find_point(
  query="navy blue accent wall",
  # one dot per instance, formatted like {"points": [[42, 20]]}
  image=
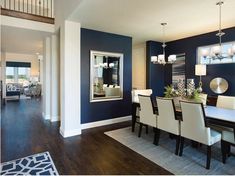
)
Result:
{"points": [[189, 47], [101, 41], [154, 72]]}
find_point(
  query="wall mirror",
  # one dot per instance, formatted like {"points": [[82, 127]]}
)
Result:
{"points": [[178, 69], [106, 76]]}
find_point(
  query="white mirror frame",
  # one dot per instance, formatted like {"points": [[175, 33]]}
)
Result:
{"points": [[92, 54]]}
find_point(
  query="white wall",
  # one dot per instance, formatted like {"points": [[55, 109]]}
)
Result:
{"points": [[3, 73], [33, 59], [139, 66], [27, 24], [63, 10]]}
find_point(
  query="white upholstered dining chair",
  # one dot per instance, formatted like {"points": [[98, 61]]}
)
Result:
{"points": [[203, 98], [227, 140], [194, 127], [135, 105], [227, 102], [135, 93], [147, 114], [167, 120]]}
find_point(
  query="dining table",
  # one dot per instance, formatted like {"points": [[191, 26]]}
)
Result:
{"points": [[214, 115]]}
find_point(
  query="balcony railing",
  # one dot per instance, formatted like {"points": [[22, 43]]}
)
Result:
{"points": [[37, 10]]}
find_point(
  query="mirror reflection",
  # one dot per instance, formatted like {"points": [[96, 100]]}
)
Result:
{"points": [[106, 76]]}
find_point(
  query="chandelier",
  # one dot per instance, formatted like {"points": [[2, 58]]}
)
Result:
{"points": [[160, 59], [216, 52], [105, 64]]}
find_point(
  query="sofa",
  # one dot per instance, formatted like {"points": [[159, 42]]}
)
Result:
{"points": [[13, 89]]}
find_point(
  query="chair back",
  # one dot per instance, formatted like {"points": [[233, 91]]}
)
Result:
{"points": [[166, 116], [227, 102], [147, 115], [135, 93], [193, 125], [203, 98]]}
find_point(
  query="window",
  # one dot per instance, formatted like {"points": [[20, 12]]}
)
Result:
{"points": [[23, 75], [207, 54], [10, 74], [18, 75]]}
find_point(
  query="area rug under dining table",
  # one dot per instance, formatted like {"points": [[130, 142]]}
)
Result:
{"points": [[192, 162]]}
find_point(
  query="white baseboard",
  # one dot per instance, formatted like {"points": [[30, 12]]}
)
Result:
{"points": [[70, 133], [105, 122], [55, 118], [46, 117]]}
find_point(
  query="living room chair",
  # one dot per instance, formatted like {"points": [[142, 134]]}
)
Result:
{"points": [[167, 120], [194, 127], [147, 115]]}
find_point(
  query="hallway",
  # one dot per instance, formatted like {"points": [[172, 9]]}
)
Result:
{"points": [[24, 132]]}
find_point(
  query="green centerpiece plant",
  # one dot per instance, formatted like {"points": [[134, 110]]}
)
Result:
{"points": [[189, 95], [170, 92], [193, 96]]}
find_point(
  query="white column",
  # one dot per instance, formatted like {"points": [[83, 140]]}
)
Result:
{"points": [[40, 58], [47, 79], [3, 74], [70, 79], [54, 79]]}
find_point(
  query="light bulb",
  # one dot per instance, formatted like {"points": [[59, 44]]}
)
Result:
{"points": [[216, 50], [233, 49], [230, 52], [172, 58], [105, 64], [161, 58], [204, 52], [111, 65], [153, 58]]}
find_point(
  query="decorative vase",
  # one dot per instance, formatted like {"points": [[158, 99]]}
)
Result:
{"points": [[190, 86], [181, 87]]}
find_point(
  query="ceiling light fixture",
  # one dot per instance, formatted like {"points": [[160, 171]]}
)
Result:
{"points": [[216, 52], [161, 59]]}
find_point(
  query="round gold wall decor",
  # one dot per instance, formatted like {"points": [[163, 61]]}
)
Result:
{"points": [[219, 85]]}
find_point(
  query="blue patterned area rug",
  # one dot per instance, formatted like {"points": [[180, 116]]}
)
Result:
{"points": [[38, 164]]}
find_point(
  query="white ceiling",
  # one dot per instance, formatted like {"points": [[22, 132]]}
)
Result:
{"points": [[22, 41], [141, 18]]}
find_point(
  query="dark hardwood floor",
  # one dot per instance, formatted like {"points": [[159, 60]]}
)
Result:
{"points": [[24, 132]]}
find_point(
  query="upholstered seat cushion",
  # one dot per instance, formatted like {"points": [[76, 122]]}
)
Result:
{"points": [[228, 136], [215, 137], [220, 128]]}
